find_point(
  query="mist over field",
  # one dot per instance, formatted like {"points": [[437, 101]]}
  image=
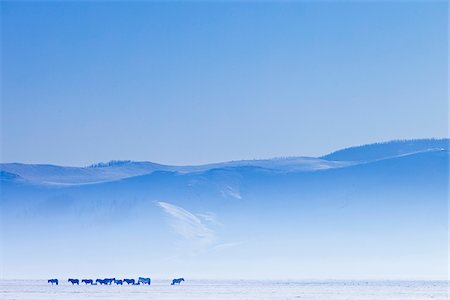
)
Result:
{"points": [[377, 211]]}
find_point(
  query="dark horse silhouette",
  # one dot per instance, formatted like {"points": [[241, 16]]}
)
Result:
{"points": [[74, 281], [118, 281], [144, 280], [177, 281], [129, 281], [102, 281], [87, 281], [110, 280], [53, 281]]}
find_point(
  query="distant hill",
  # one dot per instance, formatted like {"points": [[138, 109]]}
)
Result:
{"points": [[117, 170], [386, 206], [52, 174], [387, 149]]}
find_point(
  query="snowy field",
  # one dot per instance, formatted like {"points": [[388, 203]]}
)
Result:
{"points": [[236, 290]]}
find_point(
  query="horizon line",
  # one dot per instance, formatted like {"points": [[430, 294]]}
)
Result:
{"points": [[91, 165]]}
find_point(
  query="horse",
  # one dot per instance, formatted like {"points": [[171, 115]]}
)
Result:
{"points": [[74, 281], [129, 281], [102, 281], [177, 281], [53, 281], [144, 280], [118, 282], [110, 280], [87, 281]]}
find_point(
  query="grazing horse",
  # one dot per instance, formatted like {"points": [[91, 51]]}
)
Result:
{"points": [[129, 281], [73, 281], [102, 281], [53, 281], [110, 280], [118, 282], [144, 280], [87, 281], [177, 281]]}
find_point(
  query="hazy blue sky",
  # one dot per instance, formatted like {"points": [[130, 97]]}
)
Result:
{"points": [[186, 83]]}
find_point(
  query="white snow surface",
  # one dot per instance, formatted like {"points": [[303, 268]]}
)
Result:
{"points": [[236, 290], [62, 175]]}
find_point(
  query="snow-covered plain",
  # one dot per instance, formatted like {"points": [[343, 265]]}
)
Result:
{"points": [[258, 290]]}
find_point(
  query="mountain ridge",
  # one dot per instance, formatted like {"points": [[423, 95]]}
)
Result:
{"points": [[117, 170], [375, 206], [387, 149]]}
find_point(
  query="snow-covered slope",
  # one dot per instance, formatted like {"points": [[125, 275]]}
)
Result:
{"points": [[295, 213], [116, 170], [51, 174], [388, 149]]}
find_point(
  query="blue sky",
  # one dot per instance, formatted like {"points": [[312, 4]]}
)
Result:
{"points": [[198, 82]]}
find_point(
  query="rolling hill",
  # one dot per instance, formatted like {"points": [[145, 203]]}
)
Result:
{"points": [[381, 205]]}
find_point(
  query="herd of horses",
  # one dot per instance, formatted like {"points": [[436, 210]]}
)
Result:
{"points": [[109, 281]]}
